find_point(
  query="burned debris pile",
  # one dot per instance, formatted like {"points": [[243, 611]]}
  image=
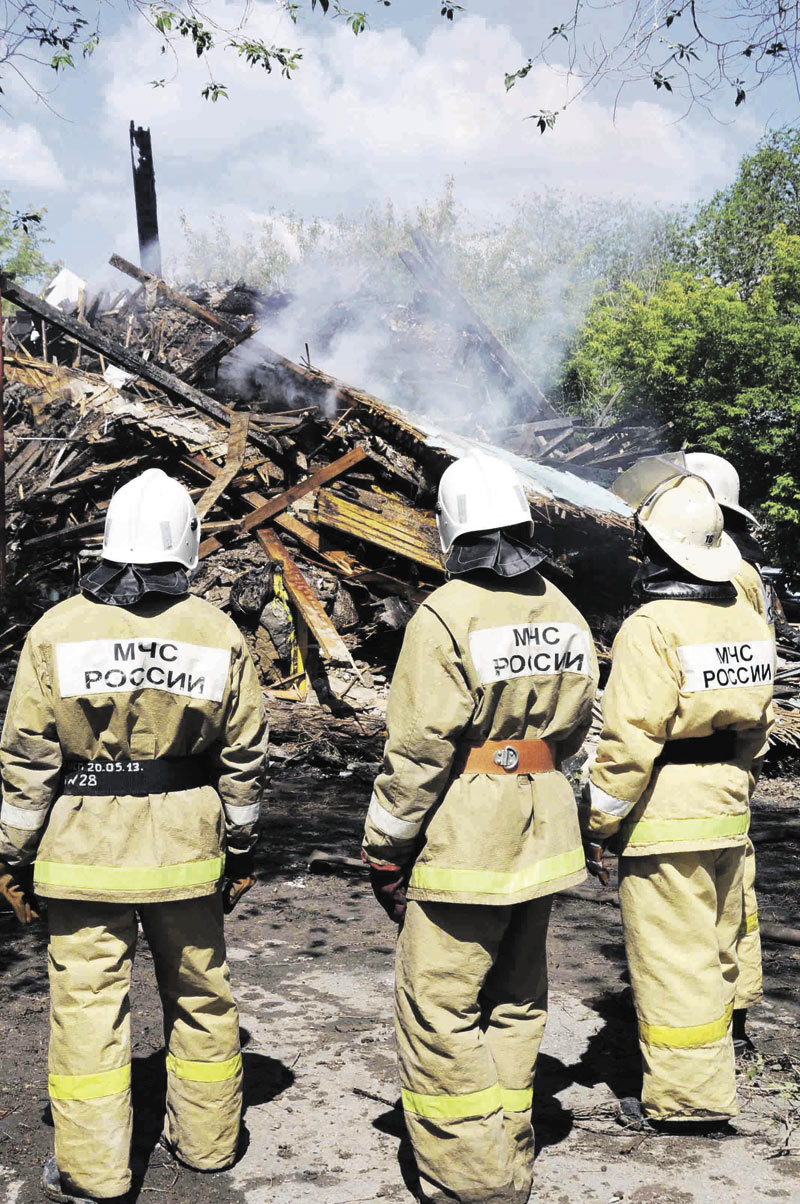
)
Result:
{"points": [[316, 497]]}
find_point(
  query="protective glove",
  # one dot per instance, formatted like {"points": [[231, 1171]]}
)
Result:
{"points": [[16, 894], [593, 851], [238, 879], [389, 883]]}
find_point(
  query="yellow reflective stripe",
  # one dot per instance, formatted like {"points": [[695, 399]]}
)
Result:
{"points": [[653, 831], [127, 877], [498, 882], [517, 1100], [749, 924], [90, 1086], [686, 1038], [204, 1072], [453, 1107]]}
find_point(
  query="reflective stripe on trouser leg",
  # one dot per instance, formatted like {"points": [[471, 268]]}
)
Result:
{"points": [[451, 1094], [89, 961], [514, 1016], [681, 913], [749, 985], [201, 1027]]}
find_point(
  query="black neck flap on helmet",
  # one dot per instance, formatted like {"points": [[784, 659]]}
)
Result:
{"points": [[659, 577], [500, 551], [127, 584]]}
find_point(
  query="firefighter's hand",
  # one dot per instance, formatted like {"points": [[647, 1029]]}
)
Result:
{"points": [[594, 851], [389, 884], [18, 897], [238, 880]]}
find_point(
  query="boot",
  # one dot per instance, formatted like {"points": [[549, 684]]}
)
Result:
{"points": [[56, 1188], [742, 1044]]}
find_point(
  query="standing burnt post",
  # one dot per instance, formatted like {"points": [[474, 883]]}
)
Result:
{"points": [[144, 189]]}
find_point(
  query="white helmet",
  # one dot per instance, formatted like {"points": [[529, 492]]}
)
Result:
{"points": [[479, 492], [686, 522], [721, 478], [152, 520]]}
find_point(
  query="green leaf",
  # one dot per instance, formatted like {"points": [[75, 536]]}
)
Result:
{"points": [[214, 92]]}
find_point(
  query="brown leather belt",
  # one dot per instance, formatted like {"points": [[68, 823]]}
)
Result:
{"points": [[506, 756]]}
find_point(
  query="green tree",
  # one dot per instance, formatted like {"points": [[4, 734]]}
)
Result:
{"points": [[729, 240], [723, 367], [58, 34], [21, 241]]}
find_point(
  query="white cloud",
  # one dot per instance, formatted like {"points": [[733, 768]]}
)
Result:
{"points": [[369, 118], [26, 160]]}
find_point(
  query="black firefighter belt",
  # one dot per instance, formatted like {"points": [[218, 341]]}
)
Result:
{"points": [[138, 778]]}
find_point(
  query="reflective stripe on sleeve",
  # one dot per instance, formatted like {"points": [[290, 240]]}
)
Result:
{"points": [[241, 816], [498, 882], [27, 819], [391, 825], [516, 1100], [687, 1037], [654, 831], [204, 1072], [607, 803], [90, 1086], [453, 1107], [127, 877]]}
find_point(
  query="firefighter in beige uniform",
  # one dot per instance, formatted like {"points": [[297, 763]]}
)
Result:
{"points": [[133, 755], [686, 714], [723, 480], [494, 685]]}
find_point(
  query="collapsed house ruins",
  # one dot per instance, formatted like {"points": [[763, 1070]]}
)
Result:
{"points": [[316, 497]]}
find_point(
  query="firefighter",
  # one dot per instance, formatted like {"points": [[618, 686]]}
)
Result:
{"points": [[723, 480], [686, 714], [472, 820], [133, 761]]}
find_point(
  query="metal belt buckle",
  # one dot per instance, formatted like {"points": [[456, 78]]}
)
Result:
{"points": [[507, 758]]}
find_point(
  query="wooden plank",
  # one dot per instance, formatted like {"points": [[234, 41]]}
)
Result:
{"points": [[172, 385], [394, 526], [330, 642], [177, 298], [553, 444], [237, 448], [275, 505]]}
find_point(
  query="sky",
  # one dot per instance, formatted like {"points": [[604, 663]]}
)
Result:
{"points": [[389, 115]]}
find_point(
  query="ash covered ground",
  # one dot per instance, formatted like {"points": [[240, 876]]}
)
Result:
{"points": [[311, 958]]}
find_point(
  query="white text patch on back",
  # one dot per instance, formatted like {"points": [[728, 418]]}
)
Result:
{"points": [[528, 649], [119, 666], [722, 666]]}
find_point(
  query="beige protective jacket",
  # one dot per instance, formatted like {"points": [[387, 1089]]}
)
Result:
{"points": [[484, 661], [750, 585], [682, 670], [163, 679]]}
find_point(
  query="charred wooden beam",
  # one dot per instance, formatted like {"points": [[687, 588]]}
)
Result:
{"points": [[234, 333]]}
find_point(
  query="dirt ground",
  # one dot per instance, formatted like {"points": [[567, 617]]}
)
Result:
{"points": [[311, 960]]}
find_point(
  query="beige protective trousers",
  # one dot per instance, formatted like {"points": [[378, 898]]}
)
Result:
{"points": [[681, 914], [471, 1005], [749, 985], [90, 957]]}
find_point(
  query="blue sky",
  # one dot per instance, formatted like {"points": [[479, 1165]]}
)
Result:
{"points": [[389, 115]]}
